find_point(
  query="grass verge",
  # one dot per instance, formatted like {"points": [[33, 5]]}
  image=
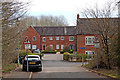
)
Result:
{"points": [[8, 67], [109, 73]]}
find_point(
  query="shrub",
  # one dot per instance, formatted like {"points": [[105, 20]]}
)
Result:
{"points": [[79, 56], [66, 56], [66, 48], [22, 53]]}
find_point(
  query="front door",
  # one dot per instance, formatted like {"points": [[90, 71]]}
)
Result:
{"points": [[43, 47]]}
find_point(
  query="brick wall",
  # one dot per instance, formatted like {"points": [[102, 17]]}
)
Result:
{"points": [[59, 42], [30, 32], [81, 43]]}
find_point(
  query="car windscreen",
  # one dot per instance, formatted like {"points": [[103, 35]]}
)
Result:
{"points": [[33, 58]]}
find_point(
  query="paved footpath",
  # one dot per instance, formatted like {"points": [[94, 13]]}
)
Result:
{"points": [[55, 67]]}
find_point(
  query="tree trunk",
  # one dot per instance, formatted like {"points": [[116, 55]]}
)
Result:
{"points": [[118, 54], [108, 57]]}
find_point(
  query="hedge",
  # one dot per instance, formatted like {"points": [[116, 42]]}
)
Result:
{"points": [[62, 51], [23, 53], [47, 52], [66, 55]]}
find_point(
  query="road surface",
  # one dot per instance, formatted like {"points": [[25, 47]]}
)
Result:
{"points": [[55, 67]]}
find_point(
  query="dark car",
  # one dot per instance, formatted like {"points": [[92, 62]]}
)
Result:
{"points": [[34, 63]]}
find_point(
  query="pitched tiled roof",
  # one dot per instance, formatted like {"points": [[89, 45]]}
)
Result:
{"points": [[55, 30], [87, 25]]}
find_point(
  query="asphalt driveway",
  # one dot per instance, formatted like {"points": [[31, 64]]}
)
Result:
{"points": [[55, 67]]}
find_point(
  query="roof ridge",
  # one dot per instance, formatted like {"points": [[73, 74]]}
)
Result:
{"points": [[54, 26]]}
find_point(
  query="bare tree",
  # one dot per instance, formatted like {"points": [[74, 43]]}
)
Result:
{"points": [[11, 12], [100, 22], [118, 62], [45, 21]]}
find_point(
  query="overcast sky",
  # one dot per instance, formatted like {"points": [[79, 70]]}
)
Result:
{"points": [[68, 8]]}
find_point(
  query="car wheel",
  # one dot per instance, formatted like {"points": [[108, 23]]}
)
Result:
{"points": [[40, 69], [23, 69]]}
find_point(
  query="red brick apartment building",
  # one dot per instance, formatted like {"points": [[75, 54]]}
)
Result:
{"points": [[76, 37]]}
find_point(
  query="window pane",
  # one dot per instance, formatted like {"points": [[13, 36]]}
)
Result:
{"points": [[62, 46], [70, 38], [34, 38], [27, 46], [89, 40], [34, 47], [62, 38], [51, 38], [90, 52], [57, 38], [44, 39], [57, 46]]}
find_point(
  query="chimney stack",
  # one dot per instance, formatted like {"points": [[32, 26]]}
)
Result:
{"points": [[77, 16], [65, 31]]}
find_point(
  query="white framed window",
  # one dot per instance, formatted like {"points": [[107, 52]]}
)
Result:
{"points": [[57, 38], [89, 40], [89, 52], [34, 47], [44, 39], [57, 46], [62, 46], [51, 38], [27, 46], [62, 38], [71, 38], [34, 38]]}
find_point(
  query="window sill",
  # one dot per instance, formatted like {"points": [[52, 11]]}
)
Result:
{"points": [[89, 44], [71, 40]]}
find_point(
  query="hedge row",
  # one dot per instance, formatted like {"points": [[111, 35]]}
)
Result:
{"points": [[67, 56], [63, 51], [52, 52], [23, 53]]}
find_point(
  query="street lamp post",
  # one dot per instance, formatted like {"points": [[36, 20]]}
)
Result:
{"points": [[27, 47], [97, 46], [18, 41], [27, 62]]}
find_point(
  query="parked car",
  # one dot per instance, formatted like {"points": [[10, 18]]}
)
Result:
{"points": [[34, 63]]}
